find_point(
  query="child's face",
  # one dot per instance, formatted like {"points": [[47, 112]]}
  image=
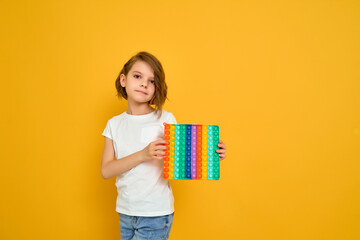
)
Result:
{"points": [[139, 83]]}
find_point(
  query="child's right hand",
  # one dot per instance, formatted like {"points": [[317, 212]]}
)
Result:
{"points": [[155, 150]]}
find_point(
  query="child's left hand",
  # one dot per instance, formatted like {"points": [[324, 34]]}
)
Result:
{"points": [[221, 150]]}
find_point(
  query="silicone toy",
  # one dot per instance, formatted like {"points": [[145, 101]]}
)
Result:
{"points": [[191, 152]]}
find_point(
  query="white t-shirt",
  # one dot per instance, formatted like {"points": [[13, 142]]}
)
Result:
{"points": [[142, 190]]}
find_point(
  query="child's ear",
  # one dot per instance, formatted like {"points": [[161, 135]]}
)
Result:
{"points": [[122, 80]]}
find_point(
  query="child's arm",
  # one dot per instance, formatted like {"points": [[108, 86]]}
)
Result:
{"points": [[111, 167]]}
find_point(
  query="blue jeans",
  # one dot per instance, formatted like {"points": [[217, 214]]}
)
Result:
{"points": [[139, 228]]}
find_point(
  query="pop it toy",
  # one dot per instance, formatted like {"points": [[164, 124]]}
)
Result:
{"points": [[191, 152]]}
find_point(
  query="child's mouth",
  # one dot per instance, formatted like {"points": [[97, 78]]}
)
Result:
{"points": [[141, 92]]}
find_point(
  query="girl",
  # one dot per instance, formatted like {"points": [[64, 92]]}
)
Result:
{"points": [[145, 202]]}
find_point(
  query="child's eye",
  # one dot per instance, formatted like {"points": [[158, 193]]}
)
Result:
{"points": [[152, 81], [136, 75]]}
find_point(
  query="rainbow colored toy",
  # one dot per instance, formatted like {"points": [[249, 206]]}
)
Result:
{"points": [[191, 153]]}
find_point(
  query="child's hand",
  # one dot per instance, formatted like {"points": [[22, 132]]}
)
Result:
{"points": [[221, 150], [155, 150]]}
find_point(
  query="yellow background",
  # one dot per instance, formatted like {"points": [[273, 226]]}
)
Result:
{"points": [[280, 78]]}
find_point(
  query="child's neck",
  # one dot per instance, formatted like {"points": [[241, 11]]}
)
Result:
{"points": [[139, 109]]}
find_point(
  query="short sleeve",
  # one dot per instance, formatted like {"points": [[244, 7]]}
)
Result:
{"points": [[107, 131], [171, 119]]}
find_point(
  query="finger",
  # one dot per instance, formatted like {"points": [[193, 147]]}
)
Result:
{"points": [[220, 150], [160, 147], [159, 153], [160, 142], [221, 145]]}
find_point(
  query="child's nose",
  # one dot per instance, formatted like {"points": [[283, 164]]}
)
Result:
{"points": [[144, 83]]}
